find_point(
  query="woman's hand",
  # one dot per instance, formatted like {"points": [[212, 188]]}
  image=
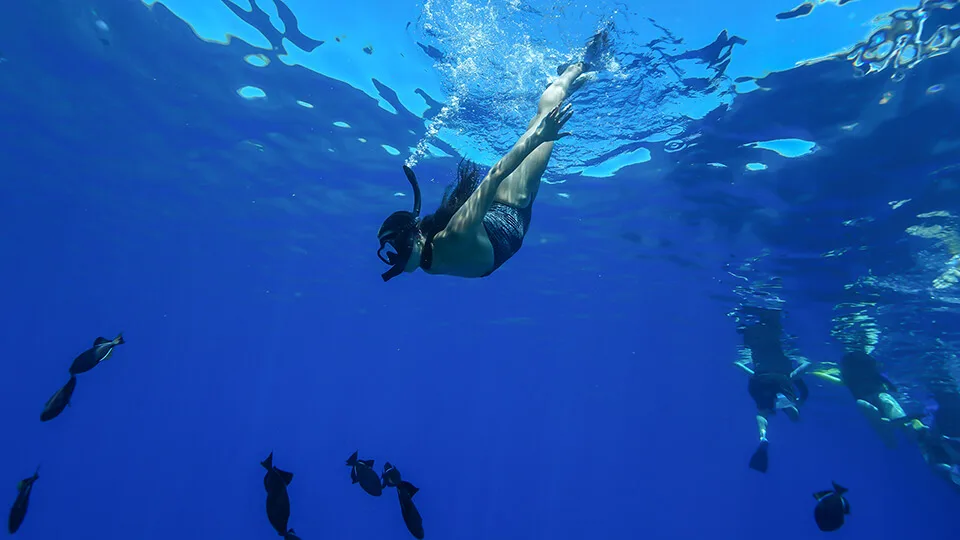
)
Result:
{"points": [[552, 123]]}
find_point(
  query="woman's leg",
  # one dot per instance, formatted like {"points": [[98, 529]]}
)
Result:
{"points": [[520, 188], [760, 460], [762, 423]]}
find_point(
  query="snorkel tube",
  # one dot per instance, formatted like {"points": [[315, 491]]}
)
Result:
{"points": [[399, 230], [417, 199]]}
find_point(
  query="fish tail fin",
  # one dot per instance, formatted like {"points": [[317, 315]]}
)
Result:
{"points": [[287, 477], [409, 488], [839, 489], [119, 339], [352, 460], [268, 463]]}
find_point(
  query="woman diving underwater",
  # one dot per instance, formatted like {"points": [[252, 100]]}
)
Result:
{"points": [[480, 225]]}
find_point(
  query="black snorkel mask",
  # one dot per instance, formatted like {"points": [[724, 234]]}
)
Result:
{"points": [[399, 232]]}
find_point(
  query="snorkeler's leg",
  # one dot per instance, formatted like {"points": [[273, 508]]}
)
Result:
{"points": [[801, 369], [762, 426], [521, 187], [955, 477], [890, 407], [788, 407], [868, 409]]}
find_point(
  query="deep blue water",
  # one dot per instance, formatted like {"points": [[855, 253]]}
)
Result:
{"points": [[585, 390]]}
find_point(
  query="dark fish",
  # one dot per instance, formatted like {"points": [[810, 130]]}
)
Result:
{"points": [[390, 476], [275, 481], [405, 493], [362, 471], [59, 400], [101, 350], [19, 509], [831, 508], [411, 516]]}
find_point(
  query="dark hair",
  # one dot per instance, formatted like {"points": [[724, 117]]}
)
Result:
{"points": [[457, 193]]}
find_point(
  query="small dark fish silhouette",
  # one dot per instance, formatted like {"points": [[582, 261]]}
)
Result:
{"points": [[275, 481], [405, 493], [411, 516], [101, 351], [390, 476], [831, 508], [362, 471], [59, 400], [19, 509]]}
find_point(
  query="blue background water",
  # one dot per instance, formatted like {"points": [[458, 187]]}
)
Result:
{"points": [[585, 390]]}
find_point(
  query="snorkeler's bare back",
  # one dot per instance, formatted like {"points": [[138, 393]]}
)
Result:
{"points": [[468, 254]]}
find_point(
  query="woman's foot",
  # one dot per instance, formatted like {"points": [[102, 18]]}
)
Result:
{"points": [[596, 47]]}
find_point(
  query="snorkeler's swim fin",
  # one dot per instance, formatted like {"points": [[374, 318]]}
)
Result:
{"points": [[828, 374], [760, 459]]}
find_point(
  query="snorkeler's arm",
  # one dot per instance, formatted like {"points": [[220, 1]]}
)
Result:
{"points": [[470, 215], [744, 367], [802, 368]]}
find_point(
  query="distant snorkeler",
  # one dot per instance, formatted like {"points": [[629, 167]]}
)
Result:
{"points": [[860, 373], [481, 223], [774, 381], [940, 443]]}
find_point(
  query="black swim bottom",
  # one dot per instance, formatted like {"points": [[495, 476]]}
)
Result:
{"points": [[506, 226]]}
